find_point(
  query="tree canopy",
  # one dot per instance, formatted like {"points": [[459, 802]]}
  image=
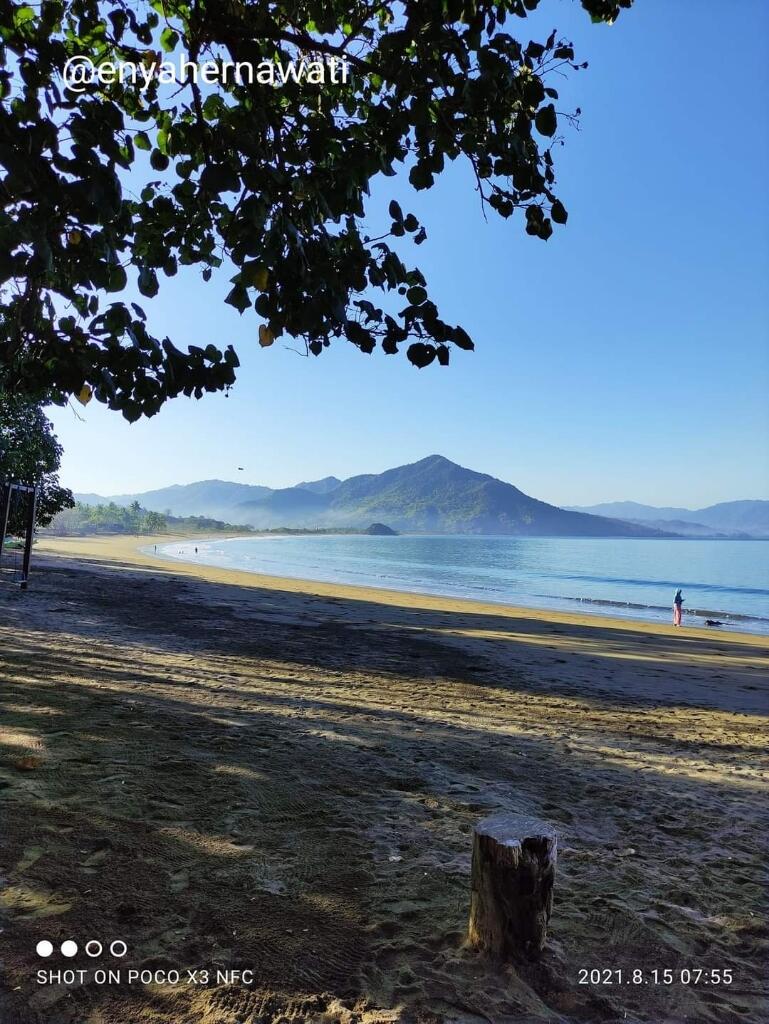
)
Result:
{"points": [[120, 184], [81, 519], [30, 454]]}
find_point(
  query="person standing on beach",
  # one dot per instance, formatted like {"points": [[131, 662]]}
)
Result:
{"points": [[677, 602]]}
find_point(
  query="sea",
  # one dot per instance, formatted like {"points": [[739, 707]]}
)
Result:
{"points": [[722, 580]]}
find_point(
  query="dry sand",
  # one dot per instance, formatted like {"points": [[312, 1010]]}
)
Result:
{"points": [[237, 772]]}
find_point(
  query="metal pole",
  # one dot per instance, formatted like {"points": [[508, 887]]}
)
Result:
{"points": [[31, 512], [5, 508]]}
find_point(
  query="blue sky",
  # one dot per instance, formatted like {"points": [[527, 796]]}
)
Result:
{"points": [[626, 358]]}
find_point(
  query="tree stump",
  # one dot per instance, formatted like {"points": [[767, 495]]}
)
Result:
{"points": [[512, 877]]}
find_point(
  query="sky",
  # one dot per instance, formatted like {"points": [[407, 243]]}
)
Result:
{"points": [[627, 358]]}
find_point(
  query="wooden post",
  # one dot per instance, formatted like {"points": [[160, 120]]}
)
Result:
{"points": [[512, 877]]}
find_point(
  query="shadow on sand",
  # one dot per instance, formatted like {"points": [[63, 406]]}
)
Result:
{"points": [[234, 778]]}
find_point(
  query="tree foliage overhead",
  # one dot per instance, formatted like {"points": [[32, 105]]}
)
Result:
{"points": [[120, 185], [30, 454]]}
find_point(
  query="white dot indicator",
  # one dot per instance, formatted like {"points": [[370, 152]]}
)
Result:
{"points": [[93, 947], [44, 948], [69, 948], [118, 948]]}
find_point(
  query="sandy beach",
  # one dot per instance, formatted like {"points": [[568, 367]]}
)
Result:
{"points": [[237, 772]]}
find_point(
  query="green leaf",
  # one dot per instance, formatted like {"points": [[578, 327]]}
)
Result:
{"points": [[238, 298], [117, 279], [213, 106], [22, 15], [148, 282], [158, 161], [280, 180], [219, 178], [255, 274], [169, 39]]}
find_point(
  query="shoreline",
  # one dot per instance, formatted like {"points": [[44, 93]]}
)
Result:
{"points": [[691, 615], [123, 547]]}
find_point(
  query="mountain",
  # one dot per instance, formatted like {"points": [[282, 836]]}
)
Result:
{"points": [[437, 496], [745, 516], [683, 528], [324, 486], [433, 495], [290, 506], [630, 510], [204, 498], [728, 517], [93, 499]]}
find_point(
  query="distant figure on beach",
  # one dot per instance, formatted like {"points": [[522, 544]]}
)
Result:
{"points": [[196, 550], [677, 602]]}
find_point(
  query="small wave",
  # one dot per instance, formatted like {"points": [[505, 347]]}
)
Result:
{"points": [[517, 581], [701, 612], [669, 584]]}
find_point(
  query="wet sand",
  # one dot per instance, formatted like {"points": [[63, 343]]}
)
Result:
{"points": [[230, 771]]}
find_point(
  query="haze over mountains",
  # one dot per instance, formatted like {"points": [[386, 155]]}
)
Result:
{"points": [[433, 495], [728, 517]]}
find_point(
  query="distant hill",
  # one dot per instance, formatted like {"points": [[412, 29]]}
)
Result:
{"points": [[380, 530], [212, 496], [324, 486], [292, 506], [433, 495], [683, 528], [630, 510], [96, 499], [204, 498], [727, 517], [436, 495]]}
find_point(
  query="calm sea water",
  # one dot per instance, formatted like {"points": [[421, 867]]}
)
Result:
{"points": [[726, 580]]}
